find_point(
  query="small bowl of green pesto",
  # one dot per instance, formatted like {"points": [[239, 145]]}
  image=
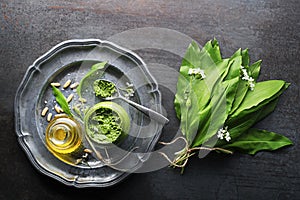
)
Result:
{"points": [[107, 122]]}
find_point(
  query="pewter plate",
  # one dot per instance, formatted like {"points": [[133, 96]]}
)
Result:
{"points": [[71, 60]]}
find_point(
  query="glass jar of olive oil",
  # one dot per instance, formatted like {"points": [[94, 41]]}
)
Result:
{"points": [[64, 139]]}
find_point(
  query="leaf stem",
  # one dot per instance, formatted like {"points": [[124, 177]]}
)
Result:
{"points": [[184, 154]]}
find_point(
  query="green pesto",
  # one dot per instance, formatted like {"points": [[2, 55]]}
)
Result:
{"points": [[104, 88], [107, 122], [105, 125]]}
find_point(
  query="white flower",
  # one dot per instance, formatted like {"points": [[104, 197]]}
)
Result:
{"points": [[247, 78], [227, 136], [220, 135], [251, 85], [129, 84], [128, 90], [224, 134], [196, 71]]}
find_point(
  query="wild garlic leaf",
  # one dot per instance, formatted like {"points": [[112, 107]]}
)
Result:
{"points": [[231, 90], [204, 123], [240, 58], [189, 118], [194, 94], [245, 58], [267, 109], [251, 115], [254, 69], [212, 47], [214, 113], [93, 69], [241, 91], [191, 57], [232, 81], [240, 124], [263, 92], [237, 53], [185, 84], [255, 140], [217, 116], [61, 100], [97, 66], [234, 67]]}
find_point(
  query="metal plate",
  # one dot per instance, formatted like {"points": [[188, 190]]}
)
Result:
{"points": [[71, 60]]}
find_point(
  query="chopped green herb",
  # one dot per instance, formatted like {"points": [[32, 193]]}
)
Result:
{"points": [[104, 88], [107, 122]]}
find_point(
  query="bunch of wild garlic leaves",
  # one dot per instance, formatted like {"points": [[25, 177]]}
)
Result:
{"points": [[219, 100]]}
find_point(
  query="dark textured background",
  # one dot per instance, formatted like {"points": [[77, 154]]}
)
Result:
{"points": [[269, 28]]}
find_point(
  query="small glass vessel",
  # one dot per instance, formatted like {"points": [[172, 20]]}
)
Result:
{"points": [[114, 109], [64, 139]]}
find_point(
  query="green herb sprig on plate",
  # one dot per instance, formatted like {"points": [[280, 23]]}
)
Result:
{"points": [[61, 100], [218, 100]]}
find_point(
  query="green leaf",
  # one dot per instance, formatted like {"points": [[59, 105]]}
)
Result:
{"points": [[97, 66], [231, 81], [191, 57], [205, 58], [254, 69], [241, 91], [231, 90], [190, 118], [245, 58], [247, 118], [240, 124], [262, 93], [255, 140], [61, 100], [213, 49], [271, 105], [93, 69], [217, 116], [267, 109], [185, 85], [193, 95], [237, 53], [234, 67], [187, 105]]}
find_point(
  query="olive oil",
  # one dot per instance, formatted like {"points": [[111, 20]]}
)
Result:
{"points": [[64, 139]]}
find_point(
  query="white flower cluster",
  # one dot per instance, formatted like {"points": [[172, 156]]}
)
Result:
{"points": [[248, 78], [129, 90], [197, 71], [224, 134]]}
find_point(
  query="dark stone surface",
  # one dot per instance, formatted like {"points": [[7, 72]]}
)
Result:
{"points": [[269, 28]]}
